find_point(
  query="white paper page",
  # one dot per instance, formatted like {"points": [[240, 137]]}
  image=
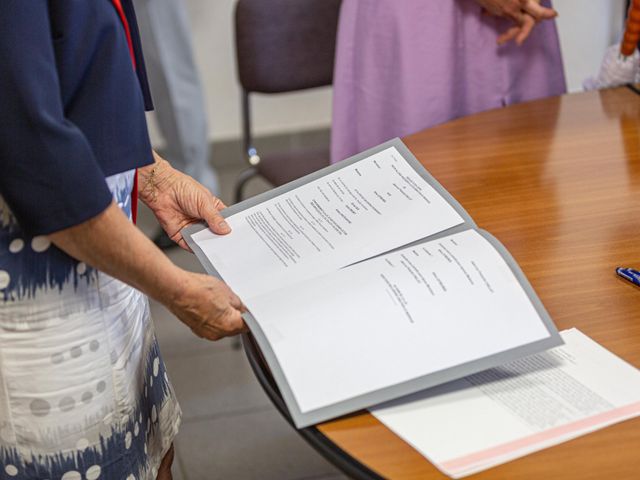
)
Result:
{"points": [[362, 210], [527, 405], [396, 317]]}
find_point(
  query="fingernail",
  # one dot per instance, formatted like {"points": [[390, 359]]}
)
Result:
{"points": [[223, 225]]}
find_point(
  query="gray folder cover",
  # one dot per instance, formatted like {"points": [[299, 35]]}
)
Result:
{"points": [[304, 419]]}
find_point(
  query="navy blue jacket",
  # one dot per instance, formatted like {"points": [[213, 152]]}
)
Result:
{"points": [[71, 108]]}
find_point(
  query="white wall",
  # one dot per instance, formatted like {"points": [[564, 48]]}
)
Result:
{"points": [[586, 28]]}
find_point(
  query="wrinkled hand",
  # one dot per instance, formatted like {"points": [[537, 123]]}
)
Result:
{"points": [[207, 306], [177, 200], [525, 14]]}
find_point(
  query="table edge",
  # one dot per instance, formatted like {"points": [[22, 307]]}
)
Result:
{"points": [[314, 437]]}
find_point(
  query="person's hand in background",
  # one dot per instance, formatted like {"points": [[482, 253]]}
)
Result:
{"points": [[177, 200], [512, 9], [524, 13], [533, 13]]}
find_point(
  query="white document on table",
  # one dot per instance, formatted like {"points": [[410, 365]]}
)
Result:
{"points": [[367, 281], [524, 406]]}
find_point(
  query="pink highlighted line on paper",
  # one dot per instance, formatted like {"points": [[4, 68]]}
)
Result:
{"points": [[483, 456]]}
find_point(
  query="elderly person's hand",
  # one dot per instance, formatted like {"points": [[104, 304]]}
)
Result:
{"points": [[111, 243], [525, 13], [177, 200], [207, 306]]}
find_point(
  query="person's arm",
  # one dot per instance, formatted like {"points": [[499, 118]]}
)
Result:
{"points": [[112, 244], [525, 14], [54, 186]]}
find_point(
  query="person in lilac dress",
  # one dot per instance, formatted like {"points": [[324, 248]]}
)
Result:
{"points": [[403, 66]]}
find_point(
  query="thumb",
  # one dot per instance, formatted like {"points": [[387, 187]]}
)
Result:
{"points": [[234, 322], [214, 219], [236, 303]]}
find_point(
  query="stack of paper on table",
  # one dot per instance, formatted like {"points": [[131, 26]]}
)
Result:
{"points": [[507, 412], [367, 281]]}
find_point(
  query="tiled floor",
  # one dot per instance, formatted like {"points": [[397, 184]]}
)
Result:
{"points": [[230, 429]]}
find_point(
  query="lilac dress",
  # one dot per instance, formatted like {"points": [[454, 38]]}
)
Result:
{"points": [[406, 65]]}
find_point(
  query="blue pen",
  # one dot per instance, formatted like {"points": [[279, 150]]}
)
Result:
{"points": [[629, 274]]}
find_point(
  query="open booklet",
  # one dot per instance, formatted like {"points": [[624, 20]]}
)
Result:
{"points": [[367, 281]]}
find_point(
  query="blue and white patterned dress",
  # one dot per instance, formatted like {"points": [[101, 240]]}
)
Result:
{"points": [[83, 389]]}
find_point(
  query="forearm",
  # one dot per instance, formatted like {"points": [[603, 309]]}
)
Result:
{"points": [[112, 244]]}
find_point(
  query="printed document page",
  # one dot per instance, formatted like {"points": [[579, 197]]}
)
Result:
{"points": [[504, 413], [367, 208], [395, 318]]}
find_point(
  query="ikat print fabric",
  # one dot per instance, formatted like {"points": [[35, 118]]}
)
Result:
{"points": [[84, 393]]}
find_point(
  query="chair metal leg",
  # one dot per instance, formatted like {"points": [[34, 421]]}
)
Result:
{"points": [[243, 178]]}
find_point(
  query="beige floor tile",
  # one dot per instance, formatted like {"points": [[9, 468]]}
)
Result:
{"points": [[215, 384], [260, 446]]}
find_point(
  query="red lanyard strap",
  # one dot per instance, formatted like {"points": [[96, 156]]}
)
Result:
{"points": [[118, 6], [134, 193]]}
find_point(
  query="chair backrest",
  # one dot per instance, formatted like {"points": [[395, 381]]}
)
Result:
{"points": [[285, 45]]}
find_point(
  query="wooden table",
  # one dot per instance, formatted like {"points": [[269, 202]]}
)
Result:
{"points": [[558, 182]]}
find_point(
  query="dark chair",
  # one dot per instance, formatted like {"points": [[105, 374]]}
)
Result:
{"points": [[283, 46]]}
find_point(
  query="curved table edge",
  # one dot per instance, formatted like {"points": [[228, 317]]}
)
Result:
{"points": [[329, 450]]}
